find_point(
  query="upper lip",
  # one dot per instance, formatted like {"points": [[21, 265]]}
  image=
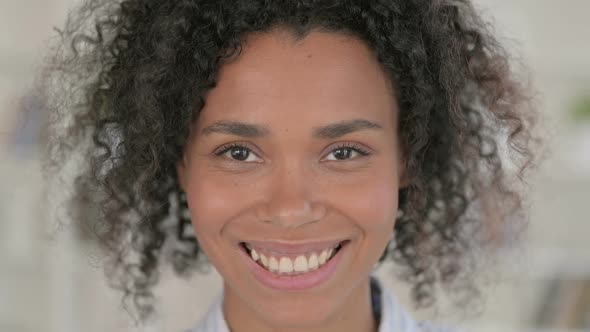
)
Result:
{"points": [[293, 247]]}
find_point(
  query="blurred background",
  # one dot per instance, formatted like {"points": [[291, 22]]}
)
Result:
{"points": [[51, 282]]}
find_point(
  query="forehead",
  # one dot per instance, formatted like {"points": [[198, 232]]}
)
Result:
{"points": [[324, 77]]}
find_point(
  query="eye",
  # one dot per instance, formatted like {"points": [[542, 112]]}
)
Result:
{"points": [[240, 152], [347, 151], [237, 152]]}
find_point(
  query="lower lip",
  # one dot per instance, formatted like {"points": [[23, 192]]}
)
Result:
{"points": [[295, 282]]}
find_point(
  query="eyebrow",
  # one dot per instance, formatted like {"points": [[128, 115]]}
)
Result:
{"points": [[248, 130]]}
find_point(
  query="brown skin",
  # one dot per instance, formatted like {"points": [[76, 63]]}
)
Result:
{"points": [[291, 187]]}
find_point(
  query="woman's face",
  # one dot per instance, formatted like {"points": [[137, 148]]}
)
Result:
{"points": [[295, 152]]}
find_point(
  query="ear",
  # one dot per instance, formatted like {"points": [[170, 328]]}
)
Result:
{"points": [[404, 180], [181, 169]]}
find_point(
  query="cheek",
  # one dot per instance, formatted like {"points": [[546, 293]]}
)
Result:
{"points": [[371, 207], [369, 200], [212, 201], [371, 203]]}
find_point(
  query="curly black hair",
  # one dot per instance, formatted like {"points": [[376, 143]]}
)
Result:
{"points": [[126, 79]]}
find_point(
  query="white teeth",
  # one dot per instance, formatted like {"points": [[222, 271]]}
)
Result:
{"points": [[273, 264], [313, 262], [264, 260], [254, 255], [285, 265], [300, 264], [323, 256]]}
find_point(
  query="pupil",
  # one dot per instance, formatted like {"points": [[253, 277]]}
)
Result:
{"points": [[345, 153], [240, 154]]}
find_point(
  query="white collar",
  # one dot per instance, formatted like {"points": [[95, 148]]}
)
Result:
{"points": [[393, 317]]}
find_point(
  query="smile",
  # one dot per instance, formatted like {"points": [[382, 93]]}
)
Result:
{"points": [[291, 264], [294, 267]]}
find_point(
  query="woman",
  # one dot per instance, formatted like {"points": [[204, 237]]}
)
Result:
{"points": [[292, 145]]}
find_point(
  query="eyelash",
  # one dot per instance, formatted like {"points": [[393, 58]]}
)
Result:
{"points": [[352, 146]]}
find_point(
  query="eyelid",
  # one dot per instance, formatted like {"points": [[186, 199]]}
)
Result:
{"points": [[239, 144], [361, 149]]}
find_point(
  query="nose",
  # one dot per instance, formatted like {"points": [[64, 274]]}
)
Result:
{"points": [[290, 202]]}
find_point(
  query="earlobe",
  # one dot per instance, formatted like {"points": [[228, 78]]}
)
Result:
{"points": [[180, 171], [403, 181]]}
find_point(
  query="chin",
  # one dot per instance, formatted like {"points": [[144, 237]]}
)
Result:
{"points": [[298, 315]]}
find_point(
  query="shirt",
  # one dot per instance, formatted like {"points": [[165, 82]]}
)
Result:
{"points": [[390, 315]]}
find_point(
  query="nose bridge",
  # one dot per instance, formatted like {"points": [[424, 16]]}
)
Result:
{"points": [[291, 198]]}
